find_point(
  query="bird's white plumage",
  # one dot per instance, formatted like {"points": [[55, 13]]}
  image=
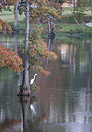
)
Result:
{"points": [[32, 109], [32, 80]]}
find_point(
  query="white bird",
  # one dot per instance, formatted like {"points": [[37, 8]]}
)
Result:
{"points": [[32, 109], [32, 80]]}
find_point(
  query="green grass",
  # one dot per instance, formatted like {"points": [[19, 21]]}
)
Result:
{"points": [[69, 10], [68, 23], [8, 16], [75, 28]]}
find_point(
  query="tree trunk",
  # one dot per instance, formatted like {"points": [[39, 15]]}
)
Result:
{"points": [[25, 88], [15, 42], [74, 6], [91, 10], [25, 103], [16, 15], [49, 25], [26, 56]]}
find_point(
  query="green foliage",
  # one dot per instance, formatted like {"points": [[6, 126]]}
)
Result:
{"points": [[80, 8], [38, 49]]}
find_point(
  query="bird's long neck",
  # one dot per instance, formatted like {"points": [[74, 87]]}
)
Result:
{"points": [[34, 76]]}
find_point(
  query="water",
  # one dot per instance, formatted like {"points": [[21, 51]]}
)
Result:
{"points": [[64, 101]]}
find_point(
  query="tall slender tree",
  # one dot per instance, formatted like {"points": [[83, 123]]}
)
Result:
{"points": [[26, 56], [16, 15]]}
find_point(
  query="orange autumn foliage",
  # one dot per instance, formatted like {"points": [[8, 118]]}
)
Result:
{"points": [[6, 3], [38, 49], [10, 59], [41, 70], [5, 28]]}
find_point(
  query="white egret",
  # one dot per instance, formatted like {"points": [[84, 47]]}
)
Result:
{"points": [[32, 80], [32, 109]]}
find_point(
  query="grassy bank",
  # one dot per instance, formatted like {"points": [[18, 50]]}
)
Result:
{"points": [[75, 28], [8, 16], [66, 23]]}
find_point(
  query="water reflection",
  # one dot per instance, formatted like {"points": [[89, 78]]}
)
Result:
{"points": [[68, 95], [64, 101], [12, 41], [66, 52], [9, 112]]}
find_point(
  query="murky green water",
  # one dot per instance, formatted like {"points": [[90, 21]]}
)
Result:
{"points": [[64, 101]]}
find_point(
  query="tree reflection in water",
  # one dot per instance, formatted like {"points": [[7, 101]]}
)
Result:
{"points": [[30, 119]]}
